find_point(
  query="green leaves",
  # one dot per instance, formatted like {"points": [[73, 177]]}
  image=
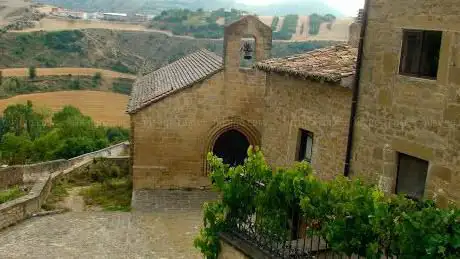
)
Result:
{"points": [[354, 218], [29, 136]]}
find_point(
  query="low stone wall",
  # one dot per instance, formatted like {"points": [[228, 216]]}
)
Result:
{"points": [[112, 151], [229, 252], [20, 174], [45, 175], [35, 172], [10, 176], [17, 210], [232, 247], [147, 200]]}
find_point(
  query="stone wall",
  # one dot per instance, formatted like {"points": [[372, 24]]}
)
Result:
{"points": [[17, 210], [170, 200], [354, 34], [233, 247], [20, 174], [24, 207], [323, 109], [415, 116], [10, 176], [229, 252], [121, 149], [171, 137]]}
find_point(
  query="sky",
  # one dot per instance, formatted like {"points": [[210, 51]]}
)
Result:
{"points": [[347, 7]]}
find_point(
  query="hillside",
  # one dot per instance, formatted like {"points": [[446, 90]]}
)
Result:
{"points": [[122, 51], [304, 7]]}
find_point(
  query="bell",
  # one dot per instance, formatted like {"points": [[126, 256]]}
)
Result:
{"points": [[247, 48], [247, 55]]}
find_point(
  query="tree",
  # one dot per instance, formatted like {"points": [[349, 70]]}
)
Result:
{"points": [[25, 136], [32, 72], [117, 134], [22, 119], [15, 149], [97, 79]]}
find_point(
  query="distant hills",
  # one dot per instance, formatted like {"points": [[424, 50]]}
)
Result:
{"points": [[301, 7], [304, 7]]}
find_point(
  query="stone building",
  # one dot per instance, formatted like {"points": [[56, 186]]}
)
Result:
{"points": [[294, 108], [407, 133]]}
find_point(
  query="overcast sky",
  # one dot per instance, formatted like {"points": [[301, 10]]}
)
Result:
{"points": [[347, 7]]}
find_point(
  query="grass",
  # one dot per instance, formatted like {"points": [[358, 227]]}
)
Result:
{"points": [[57, 194], [11, 194], [111, 195]]}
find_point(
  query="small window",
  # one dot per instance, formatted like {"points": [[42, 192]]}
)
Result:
{"points": [[305, 151], [412, 173], [420, 53]]}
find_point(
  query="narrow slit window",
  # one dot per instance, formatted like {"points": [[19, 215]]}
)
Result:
{"points": [[305, 152], [420, 53]]}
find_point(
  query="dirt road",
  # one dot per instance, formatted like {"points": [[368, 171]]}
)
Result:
{"points": [[63, 71]]}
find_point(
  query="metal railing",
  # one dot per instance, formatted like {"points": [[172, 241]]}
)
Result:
{"points": [[294, 240]]}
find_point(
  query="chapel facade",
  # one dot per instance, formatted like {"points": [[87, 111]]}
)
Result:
{"points": [[294, 108]]}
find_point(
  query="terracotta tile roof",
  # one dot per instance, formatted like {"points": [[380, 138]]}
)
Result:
{"points": [[329, 64], [180, 74]]}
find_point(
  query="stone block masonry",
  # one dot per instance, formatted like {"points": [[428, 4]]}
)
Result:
{"points": [[404, 114], [17, 210], [146, 200], [20, 174]]}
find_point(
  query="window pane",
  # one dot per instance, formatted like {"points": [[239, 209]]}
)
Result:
{"points": [[411, 176], [309, 148], [410, 55], [430, 53], [305, 147]]}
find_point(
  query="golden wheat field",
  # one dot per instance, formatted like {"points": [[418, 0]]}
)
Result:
{"points": [[63, 71], [104, 107]]}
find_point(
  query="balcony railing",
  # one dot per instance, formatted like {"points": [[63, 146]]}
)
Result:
{"points": [[295, 239]]}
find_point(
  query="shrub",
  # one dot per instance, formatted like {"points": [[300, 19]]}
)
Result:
{"points": [[111, 195], [32, 72], [11, 194], [96, 79], [122, 86], [353, 217], [74, 84]]}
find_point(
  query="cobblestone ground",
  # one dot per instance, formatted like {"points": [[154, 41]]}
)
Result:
{"points": [[104, 235]]}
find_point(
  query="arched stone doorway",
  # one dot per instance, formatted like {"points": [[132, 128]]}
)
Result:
{"points": [[232, 147], [235, 128]]}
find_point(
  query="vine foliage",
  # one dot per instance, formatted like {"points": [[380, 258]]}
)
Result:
{"points": [[354, 218]]}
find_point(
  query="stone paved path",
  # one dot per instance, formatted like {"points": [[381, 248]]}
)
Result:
{"points": [[104, 235]]}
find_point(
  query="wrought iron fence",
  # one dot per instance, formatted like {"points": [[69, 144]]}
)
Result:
{"points": [[294, 240]]}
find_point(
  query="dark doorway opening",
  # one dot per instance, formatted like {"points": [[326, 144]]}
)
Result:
{"points": [[232, 147]]}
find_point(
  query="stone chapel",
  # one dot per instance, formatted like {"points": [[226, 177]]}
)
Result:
{"points": [[295, 108]]}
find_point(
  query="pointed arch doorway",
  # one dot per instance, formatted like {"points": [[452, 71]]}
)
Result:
{"points": [[230, 140], [232, 147]]}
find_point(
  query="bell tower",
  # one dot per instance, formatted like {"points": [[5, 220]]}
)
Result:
{"points": [[246, 41]]}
